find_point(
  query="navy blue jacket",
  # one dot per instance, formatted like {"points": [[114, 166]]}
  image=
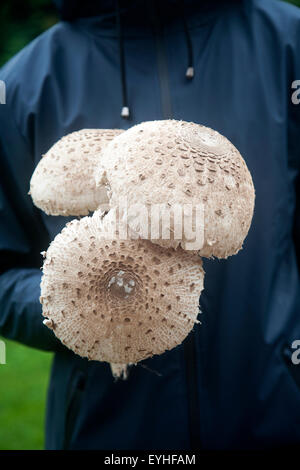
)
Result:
{"points": [[232, 383]]}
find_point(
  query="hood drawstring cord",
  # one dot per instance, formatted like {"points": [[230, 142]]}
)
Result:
{"points": [[125, 113], [190, 71]]}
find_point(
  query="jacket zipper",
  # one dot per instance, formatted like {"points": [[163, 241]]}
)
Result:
{"points": [[74, 401], [161, 64], [189, 344]]}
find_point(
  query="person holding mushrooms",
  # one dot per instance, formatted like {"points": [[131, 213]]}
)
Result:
{"points": [[110, 65]]}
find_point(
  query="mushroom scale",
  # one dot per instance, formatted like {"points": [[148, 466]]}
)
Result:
{"points": [[176, 162], [119, 301], [63, 182]]}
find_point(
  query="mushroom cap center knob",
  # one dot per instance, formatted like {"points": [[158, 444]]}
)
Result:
{"points": [[121, 285]]}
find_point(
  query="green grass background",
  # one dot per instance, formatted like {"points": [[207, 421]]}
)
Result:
{"points": [[23, 380], [23, 386]]}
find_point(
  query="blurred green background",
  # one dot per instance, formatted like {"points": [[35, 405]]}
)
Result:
{"points": [[24, 379], [21, 21], [23, 388]]}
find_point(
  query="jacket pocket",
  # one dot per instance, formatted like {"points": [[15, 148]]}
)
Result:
{"points": [[74, 400], [288, 354]]}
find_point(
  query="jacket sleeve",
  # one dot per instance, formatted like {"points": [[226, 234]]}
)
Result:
{"points": [[22, 237], [294, 127]]}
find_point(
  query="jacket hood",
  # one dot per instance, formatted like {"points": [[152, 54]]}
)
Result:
{"points": [[72, 9], [128, 18]]}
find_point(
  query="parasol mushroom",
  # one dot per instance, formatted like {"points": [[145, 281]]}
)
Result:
{"points": [[181, 163], [119, 301], [63, 181]]}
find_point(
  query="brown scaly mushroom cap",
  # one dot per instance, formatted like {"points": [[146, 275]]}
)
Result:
{"points": [[118, 301], [63, 181], [177, 162]]}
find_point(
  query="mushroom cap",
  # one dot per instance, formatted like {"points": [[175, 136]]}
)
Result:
{"points": [[63, 182], [175, 162], [119, 301]]}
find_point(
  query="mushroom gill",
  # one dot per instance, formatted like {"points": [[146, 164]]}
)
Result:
{"points": [[114, 300], [63, 181]]}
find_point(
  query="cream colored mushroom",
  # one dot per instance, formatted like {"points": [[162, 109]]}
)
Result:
{"points": [[177, 163], [120, 371], [63, 181], [119, 301]]}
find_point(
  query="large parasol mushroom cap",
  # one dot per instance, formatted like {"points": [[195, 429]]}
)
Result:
{"points": [[118, 301], [181, 163], [63, 181]]}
